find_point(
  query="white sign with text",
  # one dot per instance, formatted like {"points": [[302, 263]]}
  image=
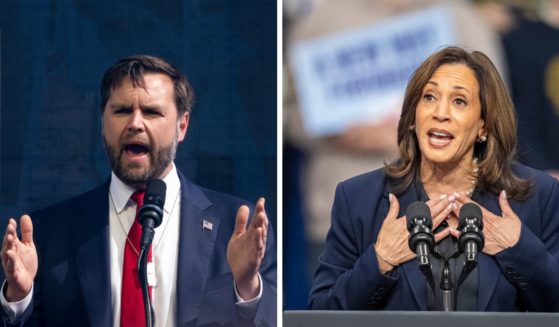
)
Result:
{"points": [[361, 75]]}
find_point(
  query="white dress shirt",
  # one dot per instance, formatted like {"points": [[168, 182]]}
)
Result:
{"points": [[122, 212]]}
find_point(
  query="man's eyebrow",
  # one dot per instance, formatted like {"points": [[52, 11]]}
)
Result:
{"points": [[150, 107], [119, 105]]}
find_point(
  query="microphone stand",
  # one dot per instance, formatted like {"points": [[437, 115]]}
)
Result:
{"points": [[446, 288], [150, 216], [448, 296], [142, 271]]}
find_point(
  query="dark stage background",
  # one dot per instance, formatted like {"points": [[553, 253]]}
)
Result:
{"points": [[53, 55]]}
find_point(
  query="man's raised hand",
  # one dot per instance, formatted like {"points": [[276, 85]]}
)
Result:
{"points": [[19, 259], [246, 249]]}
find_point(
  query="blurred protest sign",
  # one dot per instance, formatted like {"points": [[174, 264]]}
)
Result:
{"points": [[361, 75]]}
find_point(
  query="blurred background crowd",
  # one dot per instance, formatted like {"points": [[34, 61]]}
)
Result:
{"points": [[345, 67]]}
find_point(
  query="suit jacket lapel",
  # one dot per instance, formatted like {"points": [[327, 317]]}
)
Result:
{"points": [[91, 241], [196, 244]]}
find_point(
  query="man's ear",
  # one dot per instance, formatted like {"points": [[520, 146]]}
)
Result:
{"points": [[182, 126]]}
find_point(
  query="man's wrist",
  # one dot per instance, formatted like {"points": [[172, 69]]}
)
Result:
{"points": [[13, 295], [248, 289]]}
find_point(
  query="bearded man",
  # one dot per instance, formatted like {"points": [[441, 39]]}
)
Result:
{"points": [[213, 261]]}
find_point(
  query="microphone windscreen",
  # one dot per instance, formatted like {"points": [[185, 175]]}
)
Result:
{"points": [[469, 210], [154, 200], [156, 188], [418, 209]]}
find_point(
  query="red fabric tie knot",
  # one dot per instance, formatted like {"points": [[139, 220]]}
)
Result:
{"points": [[138, 198]]}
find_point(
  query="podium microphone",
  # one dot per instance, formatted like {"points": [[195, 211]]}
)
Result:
{"points": [[421, 239], [150, 214], [471, 240]]}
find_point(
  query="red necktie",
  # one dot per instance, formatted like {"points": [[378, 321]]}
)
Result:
{"points": [[132, 312]]}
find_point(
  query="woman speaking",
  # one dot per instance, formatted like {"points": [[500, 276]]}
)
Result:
{"points": [[457, 144]]}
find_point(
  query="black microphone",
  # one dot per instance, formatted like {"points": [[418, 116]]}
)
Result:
{"points": [[470, 224], [421, 239], [150, 214]]}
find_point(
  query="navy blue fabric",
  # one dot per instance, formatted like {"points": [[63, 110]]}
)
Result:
{"points": [[532, 52], [296, 279], [517, 279], [54, 53]]}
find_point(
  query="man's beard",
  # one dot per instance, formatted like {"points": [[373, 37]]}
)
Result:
{"points": [[158, 162]]}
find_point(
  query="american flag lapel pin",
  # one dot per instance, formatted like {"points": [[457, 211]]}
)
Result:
{"points": [[207, 225]]}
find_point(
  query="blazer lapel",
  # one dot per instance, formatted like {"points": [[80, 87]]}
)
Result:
{"points": [[91, 241], [488, 271], [199, 227]]}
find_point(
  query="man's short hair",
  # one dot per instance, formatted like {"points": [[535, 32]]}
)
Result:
{"points": [[134, 68]]}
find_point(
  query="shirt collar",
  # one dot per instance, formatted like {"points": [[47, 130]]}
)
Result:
{"points": [[121, 192]]}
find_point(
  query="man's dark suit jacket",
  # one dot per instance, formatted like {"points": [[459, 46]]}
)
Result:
{"points": [[524, 277], [73, 288]]}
